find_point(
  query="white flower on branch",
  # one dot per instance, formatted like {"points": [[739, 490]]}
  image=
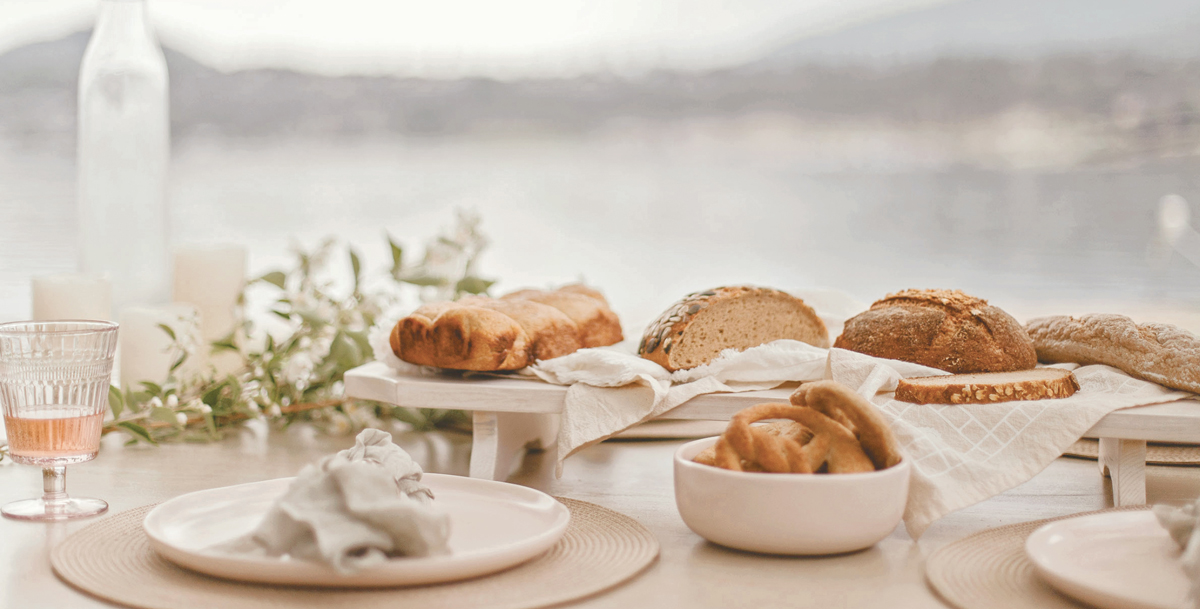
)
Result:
{"points": [[299, 369], [172, 401], [155, 402], [181, 418]]}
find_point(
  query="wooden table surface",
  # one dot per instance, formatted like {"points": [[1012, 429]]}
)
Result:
{"points": [[633, 477]]}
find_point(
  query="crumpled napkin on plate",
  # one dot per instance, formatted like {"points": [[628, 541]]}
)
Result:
{"points": [[965, 453], [612, 389], [352, 510], [1182, 523]]}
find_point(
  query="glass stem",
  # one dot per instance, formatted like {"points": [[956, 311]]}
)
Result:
{"points": [[54, 485]]}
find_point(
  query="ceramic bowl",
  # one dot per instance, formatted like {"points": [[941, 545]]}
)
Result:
{"points": [[797, 514]]}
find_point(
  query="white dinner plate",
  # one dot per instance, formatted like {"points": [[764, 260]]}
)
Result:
{"points": [[1118, 560], [493, 526]]}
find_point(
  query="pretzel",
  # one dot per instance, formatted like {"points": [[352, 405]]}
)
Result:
{"points": [[788, 429], [839, 401], [832, 445]]}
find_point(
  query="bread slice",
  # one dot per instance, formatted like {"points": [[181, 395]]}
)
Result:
{"points": [[696, 329], [988, 387]]}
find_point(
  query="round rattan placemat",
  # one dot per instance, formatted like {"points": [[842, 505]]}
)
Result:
{"points": [[989, 570], [1156, 453], [112, 560]]}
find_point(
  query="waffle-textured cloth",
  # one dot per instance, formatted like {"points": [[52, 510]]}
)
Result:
{"points": [[965, 453]]}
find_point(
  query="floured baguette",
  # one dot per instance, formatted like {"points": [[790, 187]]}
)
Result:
{"points": [[988, 387], [1159, 353], [695, 330]]}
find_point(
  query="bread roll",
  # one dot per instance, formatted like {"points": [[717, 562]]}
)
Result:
{"points": [[509, 333], [598, 325], [943, 329], [696, 329], [1159, 353]]}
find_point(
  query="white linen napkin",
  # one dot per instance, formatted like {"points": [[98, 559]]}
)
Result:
{"points": [[965, 453], [612, 389], [1183, 523], [352, 510]]}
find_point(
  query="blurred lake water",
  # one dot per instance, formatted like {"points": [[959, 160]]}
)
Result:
{"points": [[648, 217]]}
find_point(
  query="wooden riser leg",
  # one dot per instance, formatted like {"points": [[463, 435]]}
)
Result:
{"points": [[498, 437], [1125, 462]]}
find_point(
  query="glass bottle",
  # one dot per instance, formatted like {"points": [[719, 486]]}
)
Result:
{"points": [[123, 152]]}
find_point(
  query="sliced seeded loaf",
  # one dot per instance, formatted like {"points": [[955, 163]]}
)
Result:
{"points": [[988, 387], [508, 333], [1159, 353], [943, 329], [696, 329]]}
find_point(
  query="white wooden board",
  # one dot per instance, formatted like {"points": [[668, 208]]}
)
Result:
{"points": [[493, 399]]}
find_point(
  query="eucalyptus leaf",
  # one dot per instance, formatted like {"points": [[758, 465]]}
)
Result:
{"points": [[162, 414], [397, 256], [275, 278], [179, 361], [473, 285], [116, 401], [221, 345], [170, 332], [356, 267], [424, 280], [138, 432], [345, 351], [154, 389]]}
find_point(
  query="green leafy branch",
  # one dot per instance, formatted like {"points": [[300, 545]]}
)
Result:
{"points": [[298, 375]]}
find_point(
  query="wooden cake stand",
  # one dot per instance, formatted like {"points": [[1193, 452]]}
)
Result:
{"points": [[510, 414]]}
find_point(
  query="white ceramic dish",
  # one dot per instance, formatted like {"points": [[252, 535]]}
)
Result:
{"points": [[493, 526], [798, 514], [1118, 560]]}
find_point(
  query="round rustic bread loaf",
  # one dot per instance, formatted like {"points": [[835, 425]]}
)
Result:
{"points": [[696, 329], [943, 329]]}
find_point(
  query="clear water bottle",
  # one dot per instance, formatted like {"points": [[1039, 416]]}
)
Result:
{"points": [[123, 153]]}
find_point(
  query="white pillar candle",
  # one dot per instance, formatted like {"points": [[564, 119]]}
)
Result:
{"points": [[147, 351], [71, 296], [211, 277]]}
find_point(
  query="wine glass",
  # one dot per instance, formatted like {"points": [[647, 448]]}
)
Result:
{"points": [[54, 381]]}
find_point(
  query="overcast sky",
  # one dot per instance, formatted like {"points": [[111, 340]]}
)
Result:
{"points": [[447, 38]]}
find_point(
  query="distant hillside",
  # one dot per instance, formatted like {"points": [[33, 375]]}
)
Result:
{"points": [[1145, 96], [1009, 29]]}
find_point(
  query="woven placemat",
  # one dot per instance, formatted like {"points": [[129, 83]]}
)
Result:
{"points": [[112, 560], [1156, 453], [989, 570]]}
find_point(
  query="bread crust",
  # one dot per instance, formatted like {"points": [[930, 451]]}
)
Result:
{"points": [[597, 324], [955, 389], [943, 329], [1159, 353], [496, 334], [663, 333]]}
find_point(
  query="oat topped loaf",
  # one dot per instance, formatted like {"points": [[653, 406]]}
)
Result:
{"points": [[507, 333], [696, 329], [943, 329]]}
